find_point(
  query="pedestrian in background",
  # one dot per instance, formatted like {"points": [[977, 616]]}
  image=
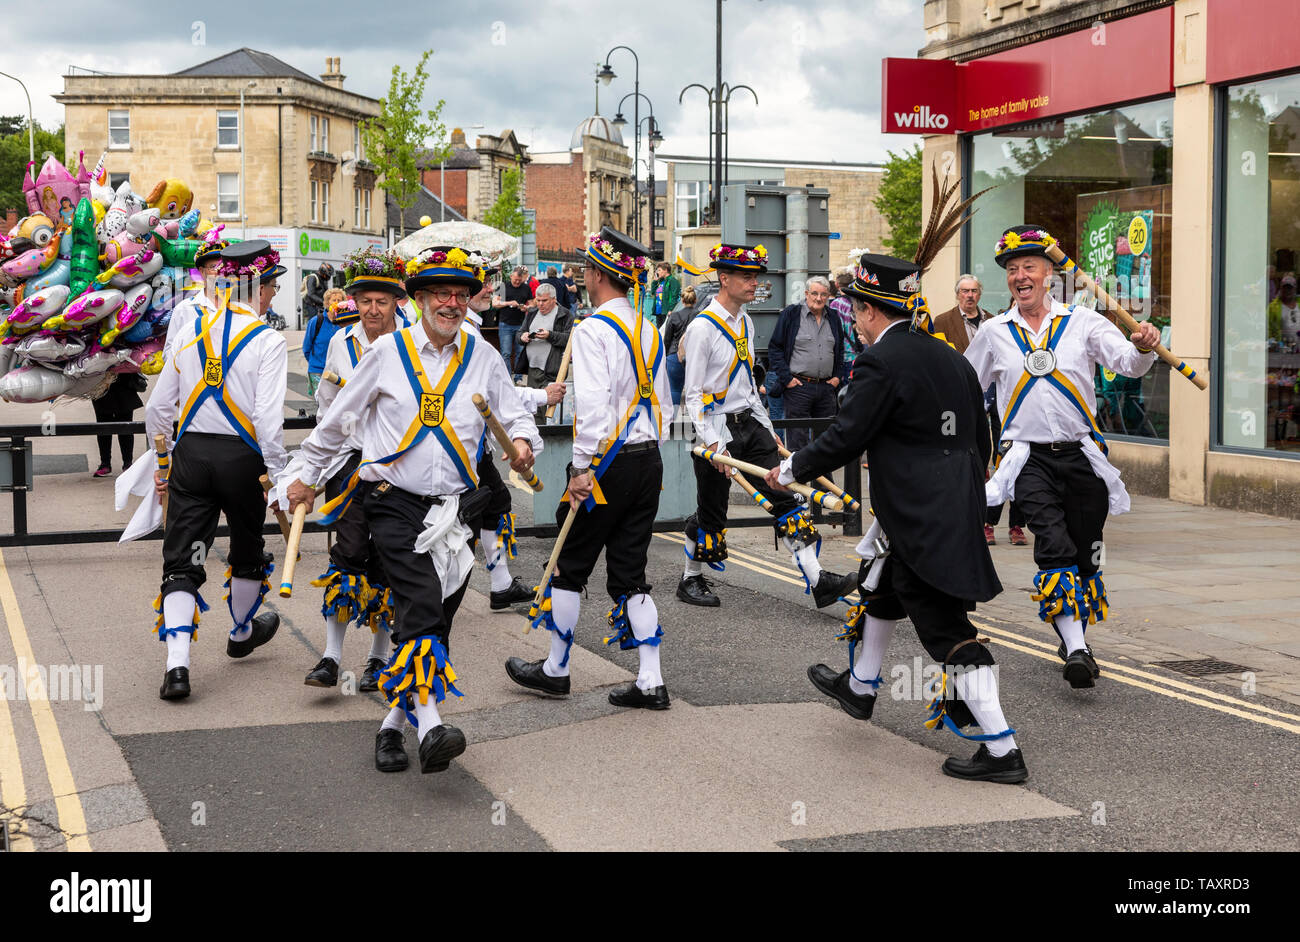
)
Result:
{"points": [[316, 341], [806, 354], [117, 405], [660, 301], [672, 334], [516, 301], [841, 304], [314, 287]]}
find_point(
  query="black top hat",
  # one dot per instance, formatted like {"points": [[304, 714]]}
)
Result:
{"points": [[723, 257], [1022, 242], [444, 265], [885, 281], [252, 259]]}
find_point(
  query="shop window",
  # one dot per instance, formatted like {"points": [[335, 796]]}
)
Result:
{"points": [[1102, 184], [1259, 358]]}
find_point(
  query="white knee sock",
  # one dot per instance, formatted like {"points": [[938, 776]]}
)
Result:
{"points": [[178, 650], [396, 719], [379, 645], [1071, 631], [693, 568], [426, 715], [871, 653], [979, 689], [496, 558], [178, 612], [805, 559], [565, 607], [244, 595], [334, 632], [643, 616]]}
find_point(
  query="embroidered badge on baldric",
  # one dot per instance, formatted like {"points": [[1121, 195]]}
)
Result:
{"points": [[431, 409], [212, 374], [742, 348]]}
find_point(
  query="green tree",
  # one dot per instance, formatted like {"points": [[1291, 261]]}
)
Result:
{"points": [[13, 158], [395, 139], [899, 201], [507, 213]]}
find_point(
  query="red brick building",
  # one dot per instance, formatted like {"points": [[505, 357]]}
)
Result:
{"points": [[474, 175], [577, 191]]}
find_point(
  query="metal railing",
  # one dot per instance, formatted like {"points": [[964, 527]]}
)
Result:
{"points": [[17, 439]]}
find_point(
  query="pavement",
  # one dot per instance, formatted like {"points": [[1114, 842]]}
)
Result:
{"points": [[750, 757]]}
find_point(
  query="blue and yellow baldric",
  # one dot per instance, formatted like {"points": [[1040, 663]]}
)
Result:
{"points": [[1056, 379], [354, 351], [646, 400], [431, 418], [216, 366], [742, 357]]}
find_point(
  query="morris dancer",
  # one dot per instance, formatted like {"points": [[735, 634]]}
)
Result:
{"points": [[411, 393], [917, 409], [355, 587], [228, 369], [1043, 356], [722, 400], [619, 388]]}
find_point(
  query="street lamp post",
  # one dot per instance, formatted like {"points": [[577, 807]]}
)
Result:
{"points": [[726, 125], [606, 75], [620, 122], [655, 139], [31, 125], [243, 208]]}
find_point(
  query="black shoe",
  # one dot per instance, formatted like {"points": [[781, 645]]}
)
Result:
{"points": [[264, 628], [324, 674], [1081, 670], [982, 767], [514, 594], [831, 586], [695, 590], [530, 674], [390, 751], [176, 684], [1060, 652], [370, 674], [437, 749], [836, 686], [634, 696]]}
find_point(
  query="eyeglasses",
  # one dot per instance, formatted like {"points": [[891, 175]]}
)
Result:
{"points": [[443, 295]]}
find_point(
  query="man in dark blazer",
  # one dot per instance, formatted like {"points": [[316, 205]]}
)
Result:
{"points": [[915, 406]]}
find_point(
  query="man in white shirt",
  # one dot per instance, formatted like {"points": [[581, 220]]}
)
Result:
{"points": [[227, 373], [620, 388], [722, 400], [203, 296], [411, 397], [355, 587], [1043, 357]]}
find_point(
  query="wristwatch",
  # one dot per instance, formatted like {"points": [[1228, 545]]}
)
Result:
{"points": [[575, 472]]}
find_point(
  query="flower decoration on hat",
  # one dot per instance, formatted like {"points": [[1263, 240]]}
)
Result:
{"points": [[260, 266], [1015, 240], [370, 269], [608, 256]]}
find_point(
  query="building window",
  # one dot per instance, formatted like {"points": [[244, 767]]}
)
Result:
{"points": [[117, 179], [325, 134], [315, 133], [1101, 183], [1259, 315], [228, 195], [315, 217], [365, 208], [119, 129], [689, 204], [659, 218], [356, 142], [325, 203], [227, 128]]}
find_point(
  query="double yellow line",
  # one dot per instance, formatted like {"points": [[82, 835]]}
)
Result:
{"points": [[1037, 647], [13, 790]]}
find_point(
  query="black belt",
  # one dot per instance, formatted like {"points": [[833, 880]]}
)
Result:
{"points": [[1055, 446], [638, 448], [809, 379]]}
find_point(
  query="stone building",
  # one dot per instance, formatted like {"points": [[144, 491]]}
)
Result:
{"points": [[474, 175], [308, 189]]}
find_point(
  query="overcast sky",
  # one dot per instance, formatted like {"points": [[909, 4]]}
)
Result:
{"points": [[523, 64]]}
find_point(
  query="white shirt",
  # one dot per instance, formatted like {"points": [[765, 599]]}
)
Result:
{"points": [[184, 314], [604, 382], [379, 400], [255, 382], [1047, 415], [339, 360], [708, 355]]}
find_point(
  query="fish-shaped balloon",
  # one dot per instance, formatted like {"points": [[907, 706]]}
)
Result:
{"points": [[91, 308], [60, 273], [137, 302], [35, 309], [132, 270], [187, 224], [32, 262]]}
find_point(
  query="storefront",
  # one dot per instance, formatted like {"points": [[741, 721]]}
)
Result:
{"points": [[1163, 150], [302, 251]]}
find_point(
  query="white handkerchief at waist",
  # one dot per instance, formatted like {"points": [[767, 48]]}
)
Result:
{"points": [[446, 540], [137, 481], [1001, 487]]}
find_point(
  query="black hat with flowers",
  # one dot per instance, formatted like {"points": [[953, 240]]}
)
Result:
{"points": [[445, 265], [723, 257], [1022, 242], [370, 269], [252, 259]]}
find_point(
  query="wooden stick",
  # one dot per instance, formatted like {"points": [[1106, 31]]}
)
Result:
{"points": [[564, 368], [291, 551], [279, 514], [1083, 278], [849, 500], [164, 465], [550, 563], [512, 452], [329, 376], [751, 490], [829, 501]]}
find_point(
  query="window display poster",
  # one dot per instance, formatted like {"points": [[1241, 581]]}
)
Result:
{"points": [[1116, 248]]}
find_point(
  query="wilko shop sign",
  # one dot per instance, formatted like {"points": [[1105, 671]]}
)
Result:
{"points": [[1104, 64]]}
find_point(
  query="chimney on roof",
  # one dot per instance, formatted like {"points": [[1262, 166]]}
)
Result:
{"points": [[458, 139], [333, 74]]}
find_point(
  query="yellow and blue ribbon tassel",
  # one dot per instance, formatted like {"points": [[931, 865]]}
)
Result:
{"points": [[1094, 594], [541, 616], [268, 567], [381, 610], [164, 632], [418, 666], [939, 715], [798, 526], [1058, 593], [851, 631], [622, 626], [347, 594], [506, 537], [708, 548]]}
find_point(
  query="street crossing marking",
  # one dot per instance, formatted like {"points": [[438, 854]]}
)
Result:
{"points": [[67, 803], [1047, 651]]}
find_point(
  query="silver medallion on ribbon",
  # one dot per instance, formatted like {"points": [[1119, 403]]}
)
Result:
{"points": [[1040, 362]]}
